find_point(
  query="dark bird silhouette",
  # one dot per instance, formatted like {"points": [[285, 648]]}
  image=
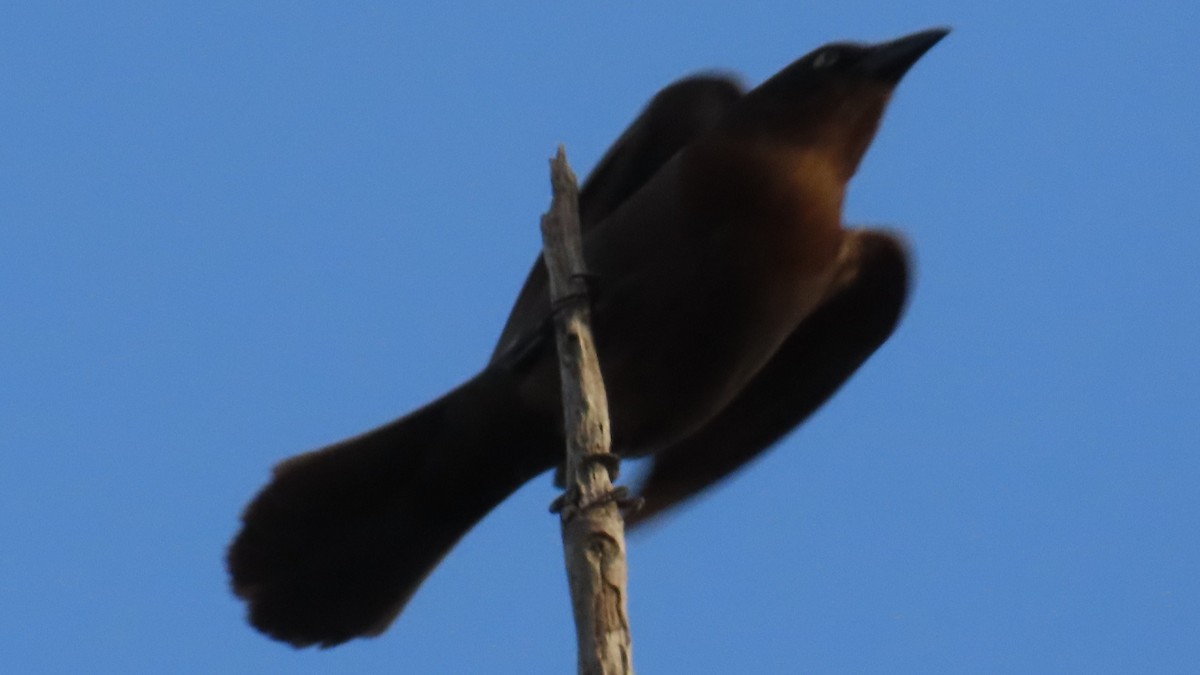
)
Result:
{"points": [[731, 303]]}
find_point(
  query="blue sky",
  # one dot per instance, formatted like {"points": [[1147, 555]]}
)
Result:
{"points": [[230, 232]]}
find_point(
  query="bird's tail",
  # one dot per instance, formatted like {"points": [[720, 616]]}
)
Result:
{"points": [[335, 545]]}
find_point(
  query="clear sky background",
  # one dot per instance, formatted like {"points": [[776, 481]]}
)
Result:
{"points": [[230, 232]]}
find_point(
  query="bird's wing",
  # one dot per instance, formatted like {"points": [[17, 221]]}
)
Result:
{"points": [[822, 353], [674, 117]]}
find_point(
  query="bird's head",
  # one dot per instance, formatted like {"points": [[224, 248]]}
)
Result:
{"points": [[827, 105]]}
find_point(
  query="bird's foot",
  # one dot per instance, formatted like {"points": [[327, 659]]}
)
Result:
{"points": [[610, 461], [586, 294], [569, 504]]}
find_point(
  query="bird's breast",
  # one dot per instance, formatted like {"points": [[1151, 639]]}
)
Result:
{"points": [[772, 222], [708, 279]]}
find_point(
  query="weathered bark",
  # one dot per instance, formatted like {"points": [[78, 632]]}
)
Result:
{"points": [[593, 531]]}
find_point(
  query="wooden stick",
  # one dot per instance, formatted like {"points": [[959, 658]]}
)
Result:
{"points": [[593, 531]]}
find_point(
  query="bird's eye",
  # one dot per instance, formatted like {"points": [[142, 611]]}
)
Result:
{"points": [[825, 59]]}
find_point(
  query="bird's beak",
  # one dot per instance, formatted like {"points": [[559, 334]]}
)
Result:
{"points": [[889, 61]]}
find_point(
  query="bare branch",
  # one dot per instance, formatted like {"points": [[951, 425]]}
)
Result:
{"points": [[592, 528]]}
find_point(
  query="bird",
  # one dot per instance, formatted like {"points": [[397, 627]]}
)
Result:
{"points": [[730, 302]]}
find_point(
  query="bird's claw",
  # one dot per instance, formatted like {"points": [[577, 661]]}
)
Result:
{"points": [[586, 296], [610, 461], [569, 505]]}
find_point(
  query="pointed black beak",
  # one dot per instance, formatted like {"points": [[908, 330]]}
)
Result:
{"points": [[889, 61]]}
